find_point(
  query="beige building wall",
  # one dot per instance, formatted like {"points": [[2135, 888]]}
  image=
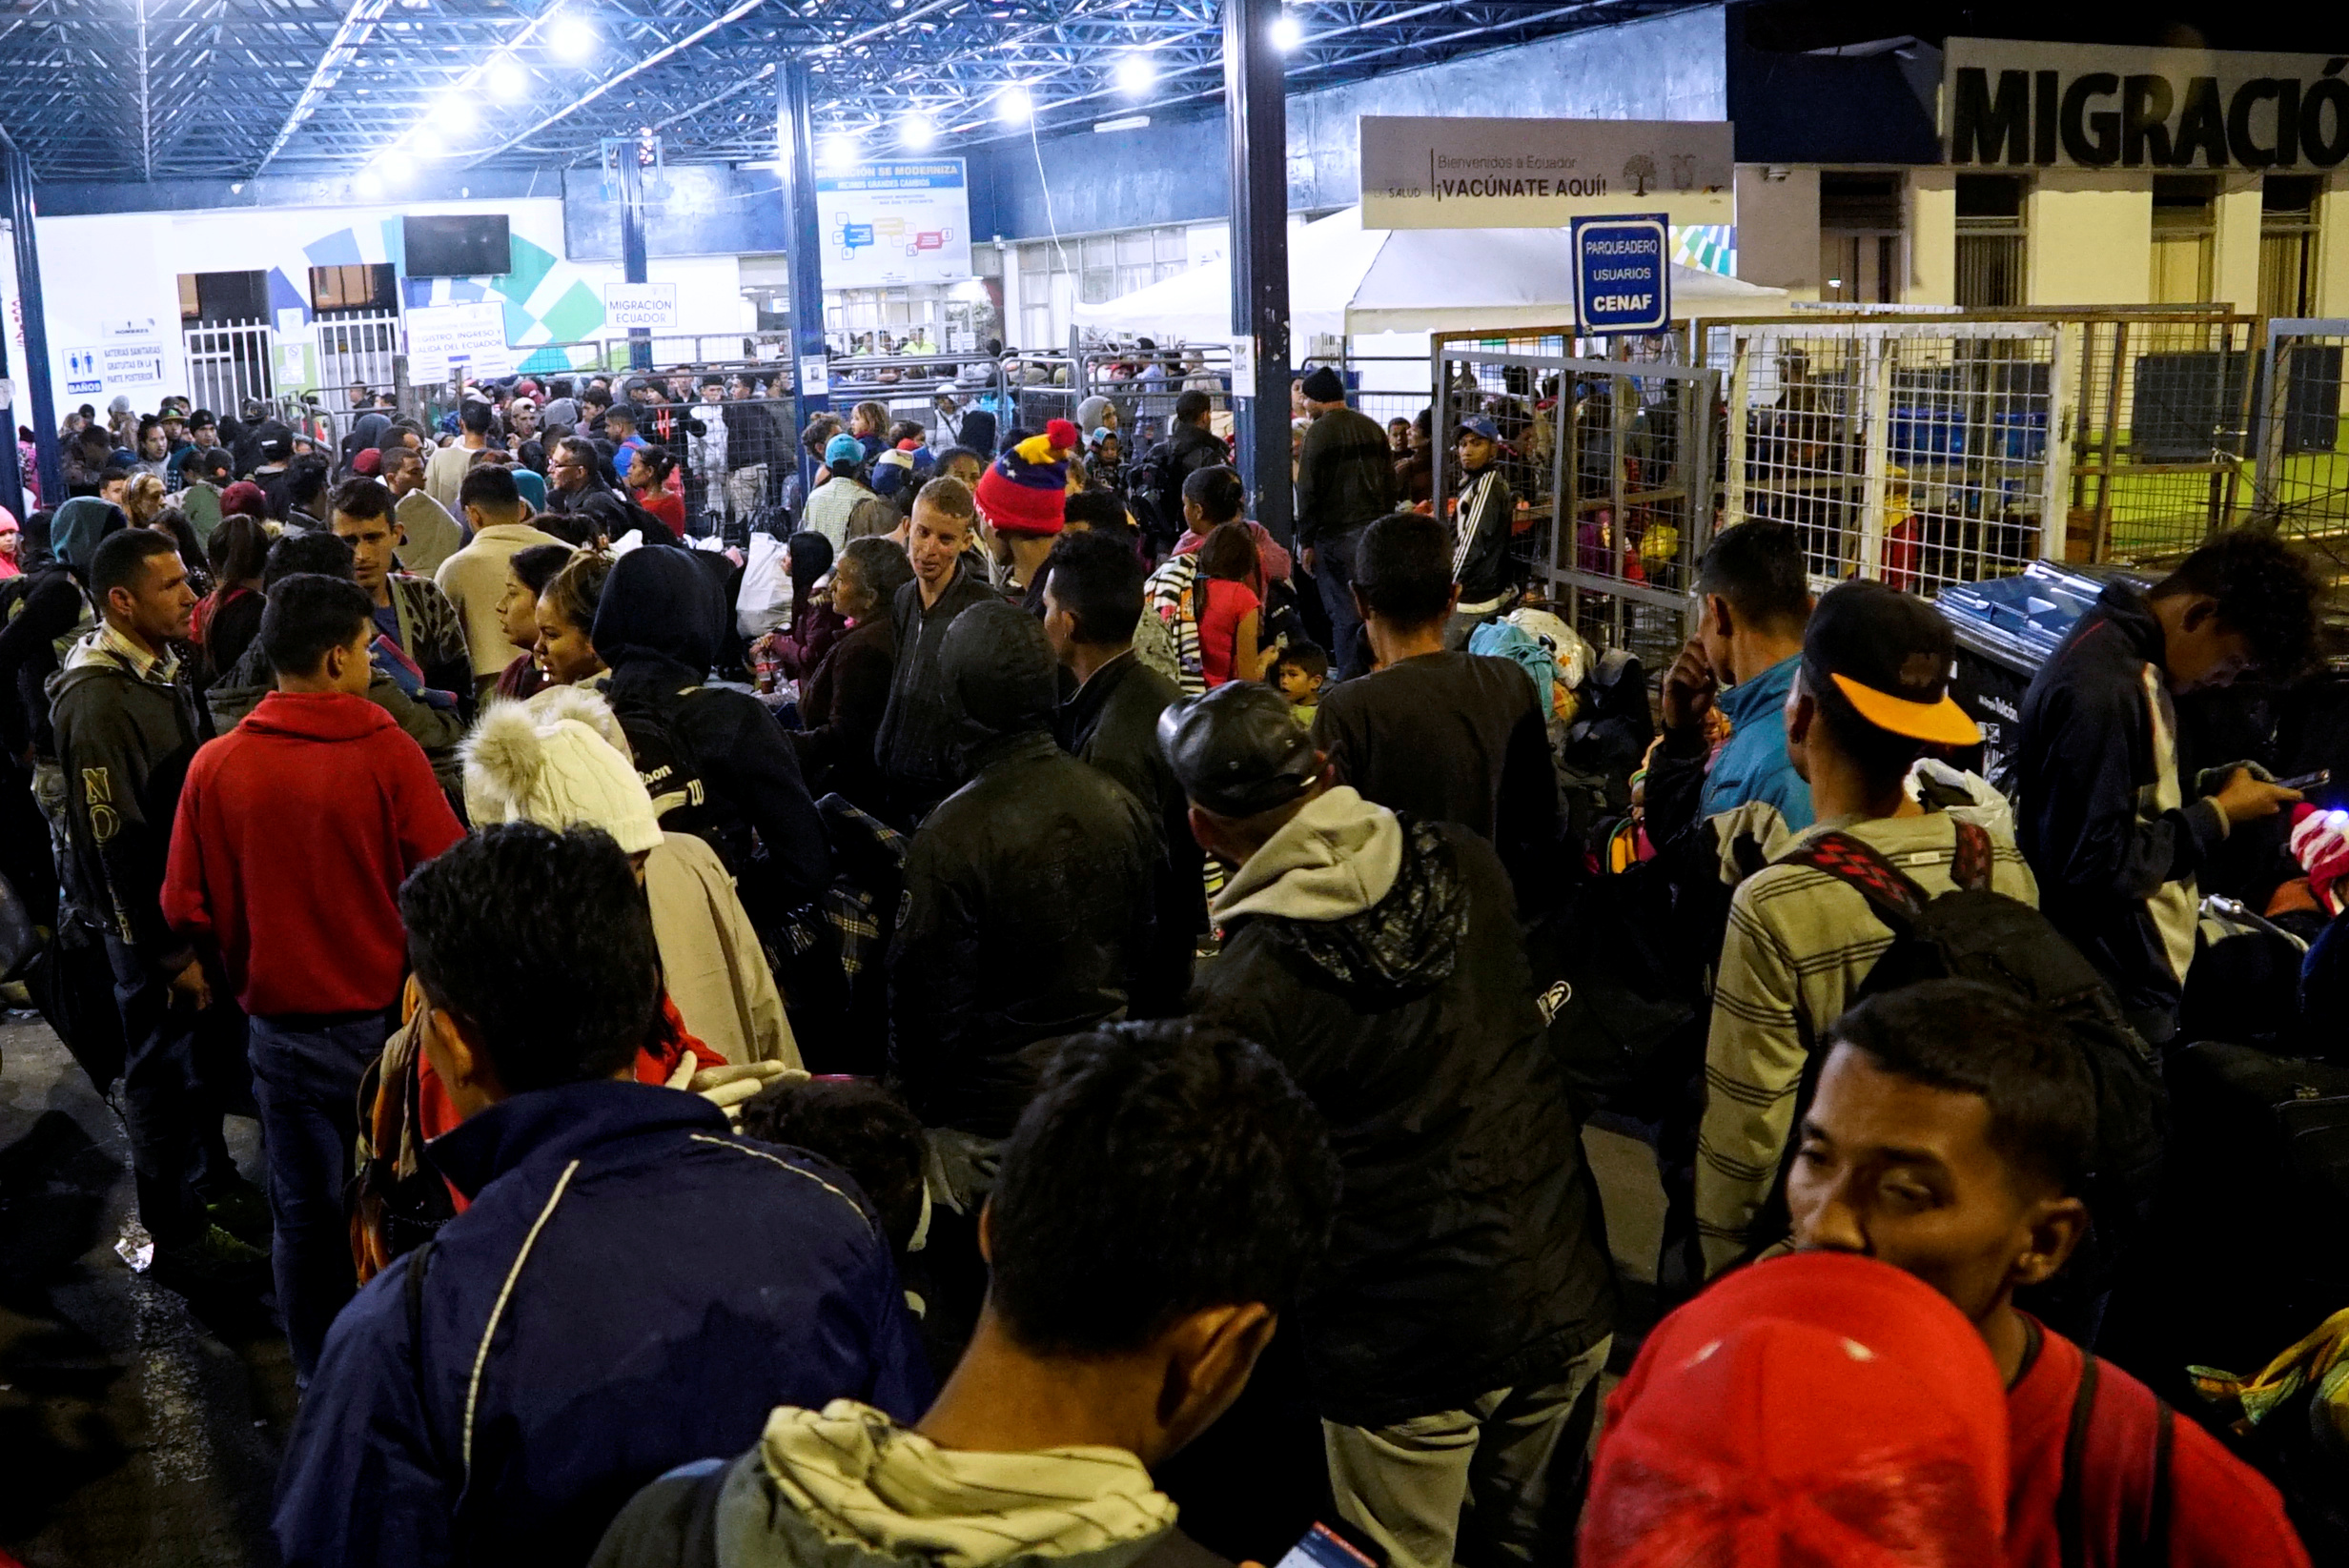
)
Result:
{"points": [[1932, 237], [1778, 228], [2235, 268], [2333, 248], [2090, 238]]}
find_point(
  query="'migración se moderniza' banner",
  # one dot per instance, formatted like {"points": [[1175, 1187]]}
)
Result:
{"points": [[1433, 173], [2094, 105], [897, 222]]}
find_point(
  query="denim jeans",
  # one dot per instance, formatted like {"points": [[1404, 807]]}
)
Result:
{"points": [[174, 1126], [305, 1075], [1333, 558]]}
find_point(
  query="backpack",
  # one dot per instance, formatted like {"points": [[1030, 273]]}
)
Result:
{"points": [[1976, 933], [1150, 481]]}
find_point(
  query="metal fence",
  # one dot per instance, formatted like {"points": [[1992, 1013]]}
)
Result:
{"points": [[1943, 447], [1610, 461], [1914, 451], [2302, 481]]}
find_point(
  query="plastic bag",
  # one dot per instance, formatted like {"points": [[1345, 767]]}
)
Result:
{"points": [[764, 599]]}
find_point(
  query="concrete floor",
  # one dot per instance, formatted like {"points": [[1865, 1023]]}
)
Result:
{"points": [[136, 1433], [132, 1433]]}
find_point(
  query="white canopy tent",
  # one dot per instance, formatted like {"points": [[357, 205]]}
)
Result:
{"points": [[1346, 280]]}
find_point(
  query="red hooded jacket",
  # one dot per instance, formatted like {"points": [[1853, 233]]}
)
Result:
{"points": [[295, 832]]}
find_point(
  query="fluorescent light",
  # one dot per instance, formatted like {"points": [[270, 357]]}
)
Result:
{"points": [[1135, 75], [916, 131], [1130, 122], [574, 38], [1287, 33], [508, 80], [839, 150], [1013, 105]]}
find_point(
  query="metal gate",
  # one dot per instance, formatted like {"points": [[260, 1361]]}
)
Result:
{"points": [[227, 363], [2303, 485], [354, 349], [1612, 463]]}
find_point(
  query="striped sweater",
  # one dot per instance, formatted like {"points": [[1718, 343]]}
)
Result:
{"points": [[1800, 942]]}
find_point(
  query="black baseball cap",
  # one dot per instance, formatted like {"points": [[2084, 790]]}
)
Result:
{"points": [[1891, 655], [1239, 750]]}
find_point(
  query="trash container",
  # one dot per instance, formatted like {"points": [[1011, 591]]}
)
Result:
{"points": [[2006, 629]]}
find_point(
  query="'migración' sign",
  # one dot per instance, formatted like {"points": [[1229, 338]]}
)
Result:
{"points": [[2086, 105], [1467, 173]]}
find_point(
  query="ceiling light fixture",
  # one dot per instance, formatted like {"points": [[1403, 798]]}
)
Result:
{"points": [[916, 133], [1135, 75], [508, 80], [1129, 122], [1014, 106], [457, 113], [574, 38], [1287, 33], [367, 183], [839, 152]]}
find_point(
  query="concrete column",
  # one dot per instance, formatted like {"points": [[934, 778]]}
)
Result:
{"points": [[2333, 248], [1778, 228], [1256, 110]]}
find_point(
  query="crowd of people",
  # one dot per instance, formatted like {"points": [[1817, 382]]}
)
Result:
{"points": [[857, 1049]]}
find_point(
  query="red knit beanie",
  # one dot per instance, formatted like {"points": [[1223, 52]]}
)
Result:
{"points": [[1023, 491]]}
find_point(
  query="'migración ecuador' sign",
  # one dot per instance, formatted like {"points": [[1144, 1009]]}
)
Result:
{"points": [[2087, 106], [1464, 172]]}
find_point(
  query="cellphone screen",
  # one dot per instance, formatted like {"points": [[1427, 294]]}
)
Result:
{"points": [[1322, 1548]]}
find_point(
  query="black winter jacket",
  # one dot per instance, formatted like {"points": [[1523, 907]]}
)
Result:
{"points": [[47, 611], [1027, 903], [125, 741], [1469, 1254], [1345, 475], [2113, 834], [1113, 723]]}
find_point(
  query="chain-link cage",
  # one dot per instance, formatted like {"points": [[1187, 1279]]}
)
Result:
{"points": [[1915, 452], [2160, 415], [2302, 485], [1609, 461]]}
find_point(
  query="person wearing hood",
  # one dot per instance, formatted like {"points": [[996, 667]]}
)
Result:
{"points": [[127, 727], [1027, 892], [49, 614], [429, 533], [1454, 1337], [561, 760], [1108, 1340], [397, 686], [291, 837], [715, 761], [473, 578], [631, 1286]]}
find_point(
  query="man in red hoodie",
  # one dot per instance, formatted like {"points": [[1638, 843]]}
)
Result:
{"points": [[294, 833], [1948, 1138]]}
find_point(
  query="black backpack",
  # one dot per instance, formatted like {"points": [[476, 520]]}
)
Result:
{"points": [[1974, 933], [1149, 480]]}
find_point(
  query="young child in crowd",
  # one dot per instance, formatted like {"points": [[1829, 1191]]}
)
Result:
{"points": [[1299, 675]]}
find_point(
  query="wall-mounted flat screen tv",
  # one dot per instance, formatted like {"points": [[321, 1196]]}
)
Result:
{"points": [[458, 247]]}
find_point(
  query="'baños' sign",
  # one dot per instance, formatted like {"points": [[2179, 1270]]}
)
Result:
{"points": [[2086, 105]]}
